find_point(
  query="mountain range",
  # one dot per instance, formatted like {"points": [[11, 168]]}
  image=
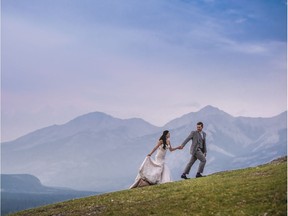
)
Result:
{"points": [[99, 152]]}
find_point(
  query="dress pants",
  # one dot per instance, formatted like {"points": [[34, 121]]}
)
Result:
{"points": [[200, 156]]}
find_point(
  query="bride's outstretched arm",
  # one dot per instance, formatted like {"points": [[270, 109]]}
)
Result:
{"points": [[171, 148], [155, 148]]}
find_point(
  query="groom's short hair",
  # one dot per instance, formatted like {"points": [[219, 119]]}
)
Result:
{"points": [[200, 123]]}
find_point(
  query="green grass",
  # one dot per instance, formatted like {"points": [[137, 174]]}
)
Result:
{"points": [[254, 191]]}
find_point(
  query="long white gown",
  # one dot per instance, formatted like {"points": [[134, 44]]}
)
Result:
{"points": [[154, 171]]}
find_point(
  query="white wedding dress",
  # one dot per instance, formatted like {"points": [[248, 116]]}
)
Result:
{"points": [[154, 171]]}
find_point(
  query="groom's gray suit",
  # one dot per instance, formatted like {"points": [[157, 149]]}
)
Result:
{"points": [[197, 150]]}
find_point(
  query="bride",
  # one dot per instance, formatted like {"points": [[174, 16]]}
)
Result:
{"points": [[155, 171]]}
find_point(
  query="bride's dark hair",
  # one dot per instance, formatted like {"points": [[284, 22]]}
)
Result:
{"points": [[163, 138]]}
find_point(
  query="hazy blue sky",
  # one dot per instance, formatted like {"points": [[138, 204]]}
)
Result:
{"points": [[153, 59]]}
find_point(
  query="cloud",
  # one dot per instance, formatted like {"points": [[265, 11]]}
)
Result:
{"points": [[241, 20], [156, 60]]}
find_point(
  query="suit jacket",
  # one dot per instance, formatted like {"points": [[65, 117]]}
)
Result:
{"points": [[196, 141]]}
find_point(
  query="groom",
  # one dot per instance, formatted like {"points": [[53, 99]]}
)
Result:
{"points": [[198, 150]]}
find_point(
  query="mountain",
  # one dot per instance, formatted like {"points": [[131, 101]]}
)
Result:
{"points": [[101, 153], [82, 152], [95, 122], [22, 183], [260, 190], [23, 191]]}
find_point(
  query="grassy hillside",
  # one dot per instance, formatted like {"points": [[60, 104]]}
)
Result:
{"points": [[260, 190]]}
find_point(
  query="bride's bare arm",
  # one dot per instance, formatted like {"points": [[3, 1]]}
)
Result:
{"points": [[156, 147], [171, 148]]}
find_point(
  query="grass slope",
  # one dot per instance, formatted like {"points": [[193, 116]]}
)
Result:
{"points": [[260, 190]]}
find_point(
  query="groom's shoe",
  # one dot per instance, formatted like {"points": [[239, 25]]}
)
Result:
{"points": [[198, 175], [184, 176]]}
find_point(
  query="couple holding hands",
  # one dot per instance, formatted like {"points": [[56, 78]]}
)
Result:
{"points": [[156, 171]]}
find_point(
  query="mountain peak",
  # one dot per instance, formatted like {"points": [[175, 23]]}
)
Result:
{"points": [[209, 108], [201, 115], [93, 116]]}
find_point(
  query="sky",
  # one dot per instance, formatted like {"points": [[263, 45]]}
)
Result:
{"points": [[153, 59]]}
